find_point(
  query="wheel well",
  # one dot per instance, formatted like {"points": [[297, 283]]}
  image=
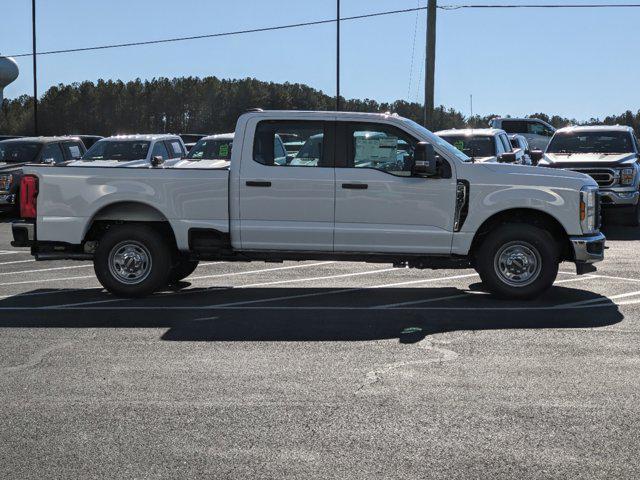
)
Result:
{"points": [[531, 217], [123, 213]]}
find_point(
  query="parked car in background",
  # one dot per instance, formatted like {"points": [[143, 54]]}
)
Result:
{"points": [[537, 132], [16, 153], [88, 140], [293, 142], [213, 151], [520, 142], [484, 145], [147, 228], [133, 151], [608, 154]]}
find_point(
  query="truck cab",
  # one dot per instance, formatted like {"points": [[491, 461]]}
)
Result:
{"points": [[608, 154]]}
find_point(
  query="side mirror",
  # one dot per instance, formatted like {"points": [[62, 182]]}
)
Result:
{"points": [[536, 156], [157, 161], [424, 161], [508, 157]]}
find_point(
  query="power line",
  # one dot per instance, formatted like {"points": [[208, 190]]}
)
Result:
{"points": [[308, 24]]}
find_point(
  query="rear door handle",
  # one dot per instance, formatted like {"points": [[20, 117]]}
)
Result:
{"points": [[355, 186], [254, 183]]}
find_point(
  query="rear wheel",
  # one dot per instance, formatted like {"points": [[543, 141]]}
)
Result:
{"points": [[181, 270], [132, 260], [518, 261]]}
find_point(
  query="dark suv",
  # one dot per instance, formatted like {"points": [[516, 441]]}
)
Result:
{"points": [[14, 154]]}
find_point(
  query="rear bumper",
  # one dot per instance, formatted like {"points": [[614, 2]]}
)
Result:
{"points": [[588, 249], [24, 233]]}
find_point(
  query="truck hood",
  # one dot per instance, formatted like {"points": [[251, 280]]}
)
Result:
{"points": [[588, 160], [109, 163], [539, 176]]}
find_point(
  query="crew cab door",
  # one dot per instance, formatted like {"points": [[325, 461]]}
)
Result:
{"points": [[380, 206], [287, 201]]}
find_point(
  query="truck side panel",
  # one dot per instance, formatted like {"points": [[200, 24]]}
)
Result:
{"points": [[71, 197]]}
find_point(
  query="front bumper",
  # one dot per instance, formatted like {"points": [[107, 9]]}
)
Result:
{"points": [[588, 250], [621, 198], [24, 233]]}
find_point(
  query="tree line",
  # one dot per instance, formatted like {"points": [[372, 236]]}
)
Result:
{"points": [[207, 105]]}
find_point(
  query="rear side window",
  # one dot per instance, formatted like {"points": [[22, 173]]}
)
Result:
{"points": [[505, 143], [269, 146], [535, 128], [514, 126]]}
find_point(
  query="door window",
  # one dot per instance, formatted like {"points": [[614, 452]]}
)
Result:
{"points": [[505, 143], [499, 146], [380, 147], [52, 153], [175, 149], [270, 149], [159, 150], [72, 150]]}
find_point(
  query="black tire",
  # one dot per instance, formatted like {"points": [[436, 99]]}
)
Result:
{"points": [[514, 247], [182, 269], [125, 247]]}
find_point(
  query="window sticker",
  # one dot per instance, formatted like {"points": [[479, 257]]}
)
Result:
{"points": [[176, 148], [223, 151], [376, 149], [459, 145], [74, 151]]}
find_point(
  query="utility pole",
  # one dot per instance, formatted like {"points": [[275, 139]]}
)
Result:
{"points": [[430, 68], [35, 69], [338, 55]]}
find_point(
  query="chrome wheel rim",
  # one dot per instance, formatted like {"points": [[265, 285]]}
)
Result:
{"points": [[130, 262], [518, 264]]}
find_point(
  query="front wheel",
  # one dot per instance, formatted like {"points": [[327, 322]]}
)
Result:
{"points": [[518, 261], [132, 260]]}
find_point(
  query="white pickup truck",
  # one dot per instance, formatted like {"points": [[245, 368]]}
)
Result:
{"points": [[380, 188]]}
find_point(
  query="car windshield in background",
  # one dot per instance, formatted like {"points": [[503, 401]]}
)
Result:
{"points": [[591, 142], [211, 150], [19, 152], [118, 150], [473, 146]]}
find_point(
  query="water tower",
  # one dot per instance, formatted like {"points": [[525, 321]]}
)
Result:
{"points": [[8, 73]]}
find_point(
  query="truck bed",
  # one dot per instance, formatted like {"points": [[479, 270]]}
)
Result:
{"points": [[70, 199]]}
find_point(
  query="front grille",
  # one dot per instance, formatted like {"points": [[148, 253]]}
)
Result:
{"points": [[605, 177]]}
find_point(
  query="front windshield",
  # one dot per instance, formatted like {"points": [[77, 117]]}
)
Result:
{"points": [[443, 144], [591, 142], [473, 146], [122, 150], [19, 152], [211, 150]]}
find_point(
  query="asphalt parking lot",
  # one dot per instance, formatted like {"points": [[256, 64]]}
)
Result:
{"points": [[319, 370]]}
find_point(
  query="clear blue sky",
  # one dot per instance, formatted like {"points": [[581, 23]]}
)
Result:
{"points": [[577, 63]]}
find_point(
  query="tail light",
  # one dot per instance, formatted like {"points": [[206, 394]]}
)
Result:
{"points": [[28, 196]]}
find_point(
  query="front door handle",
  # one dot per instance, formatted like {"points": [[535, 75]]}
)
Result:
{"points": [[254, 183], [355, 186]]}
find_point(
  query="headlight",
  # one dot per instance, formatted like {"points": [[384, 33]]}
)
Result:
{"points": [[588, 209], [5, 182], [627, 176]]}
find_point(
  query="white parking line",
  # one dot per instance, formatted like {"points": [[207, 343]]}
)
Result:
{"points": [[47, 280], [290, 267], [39, 270], [17, 261]]}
